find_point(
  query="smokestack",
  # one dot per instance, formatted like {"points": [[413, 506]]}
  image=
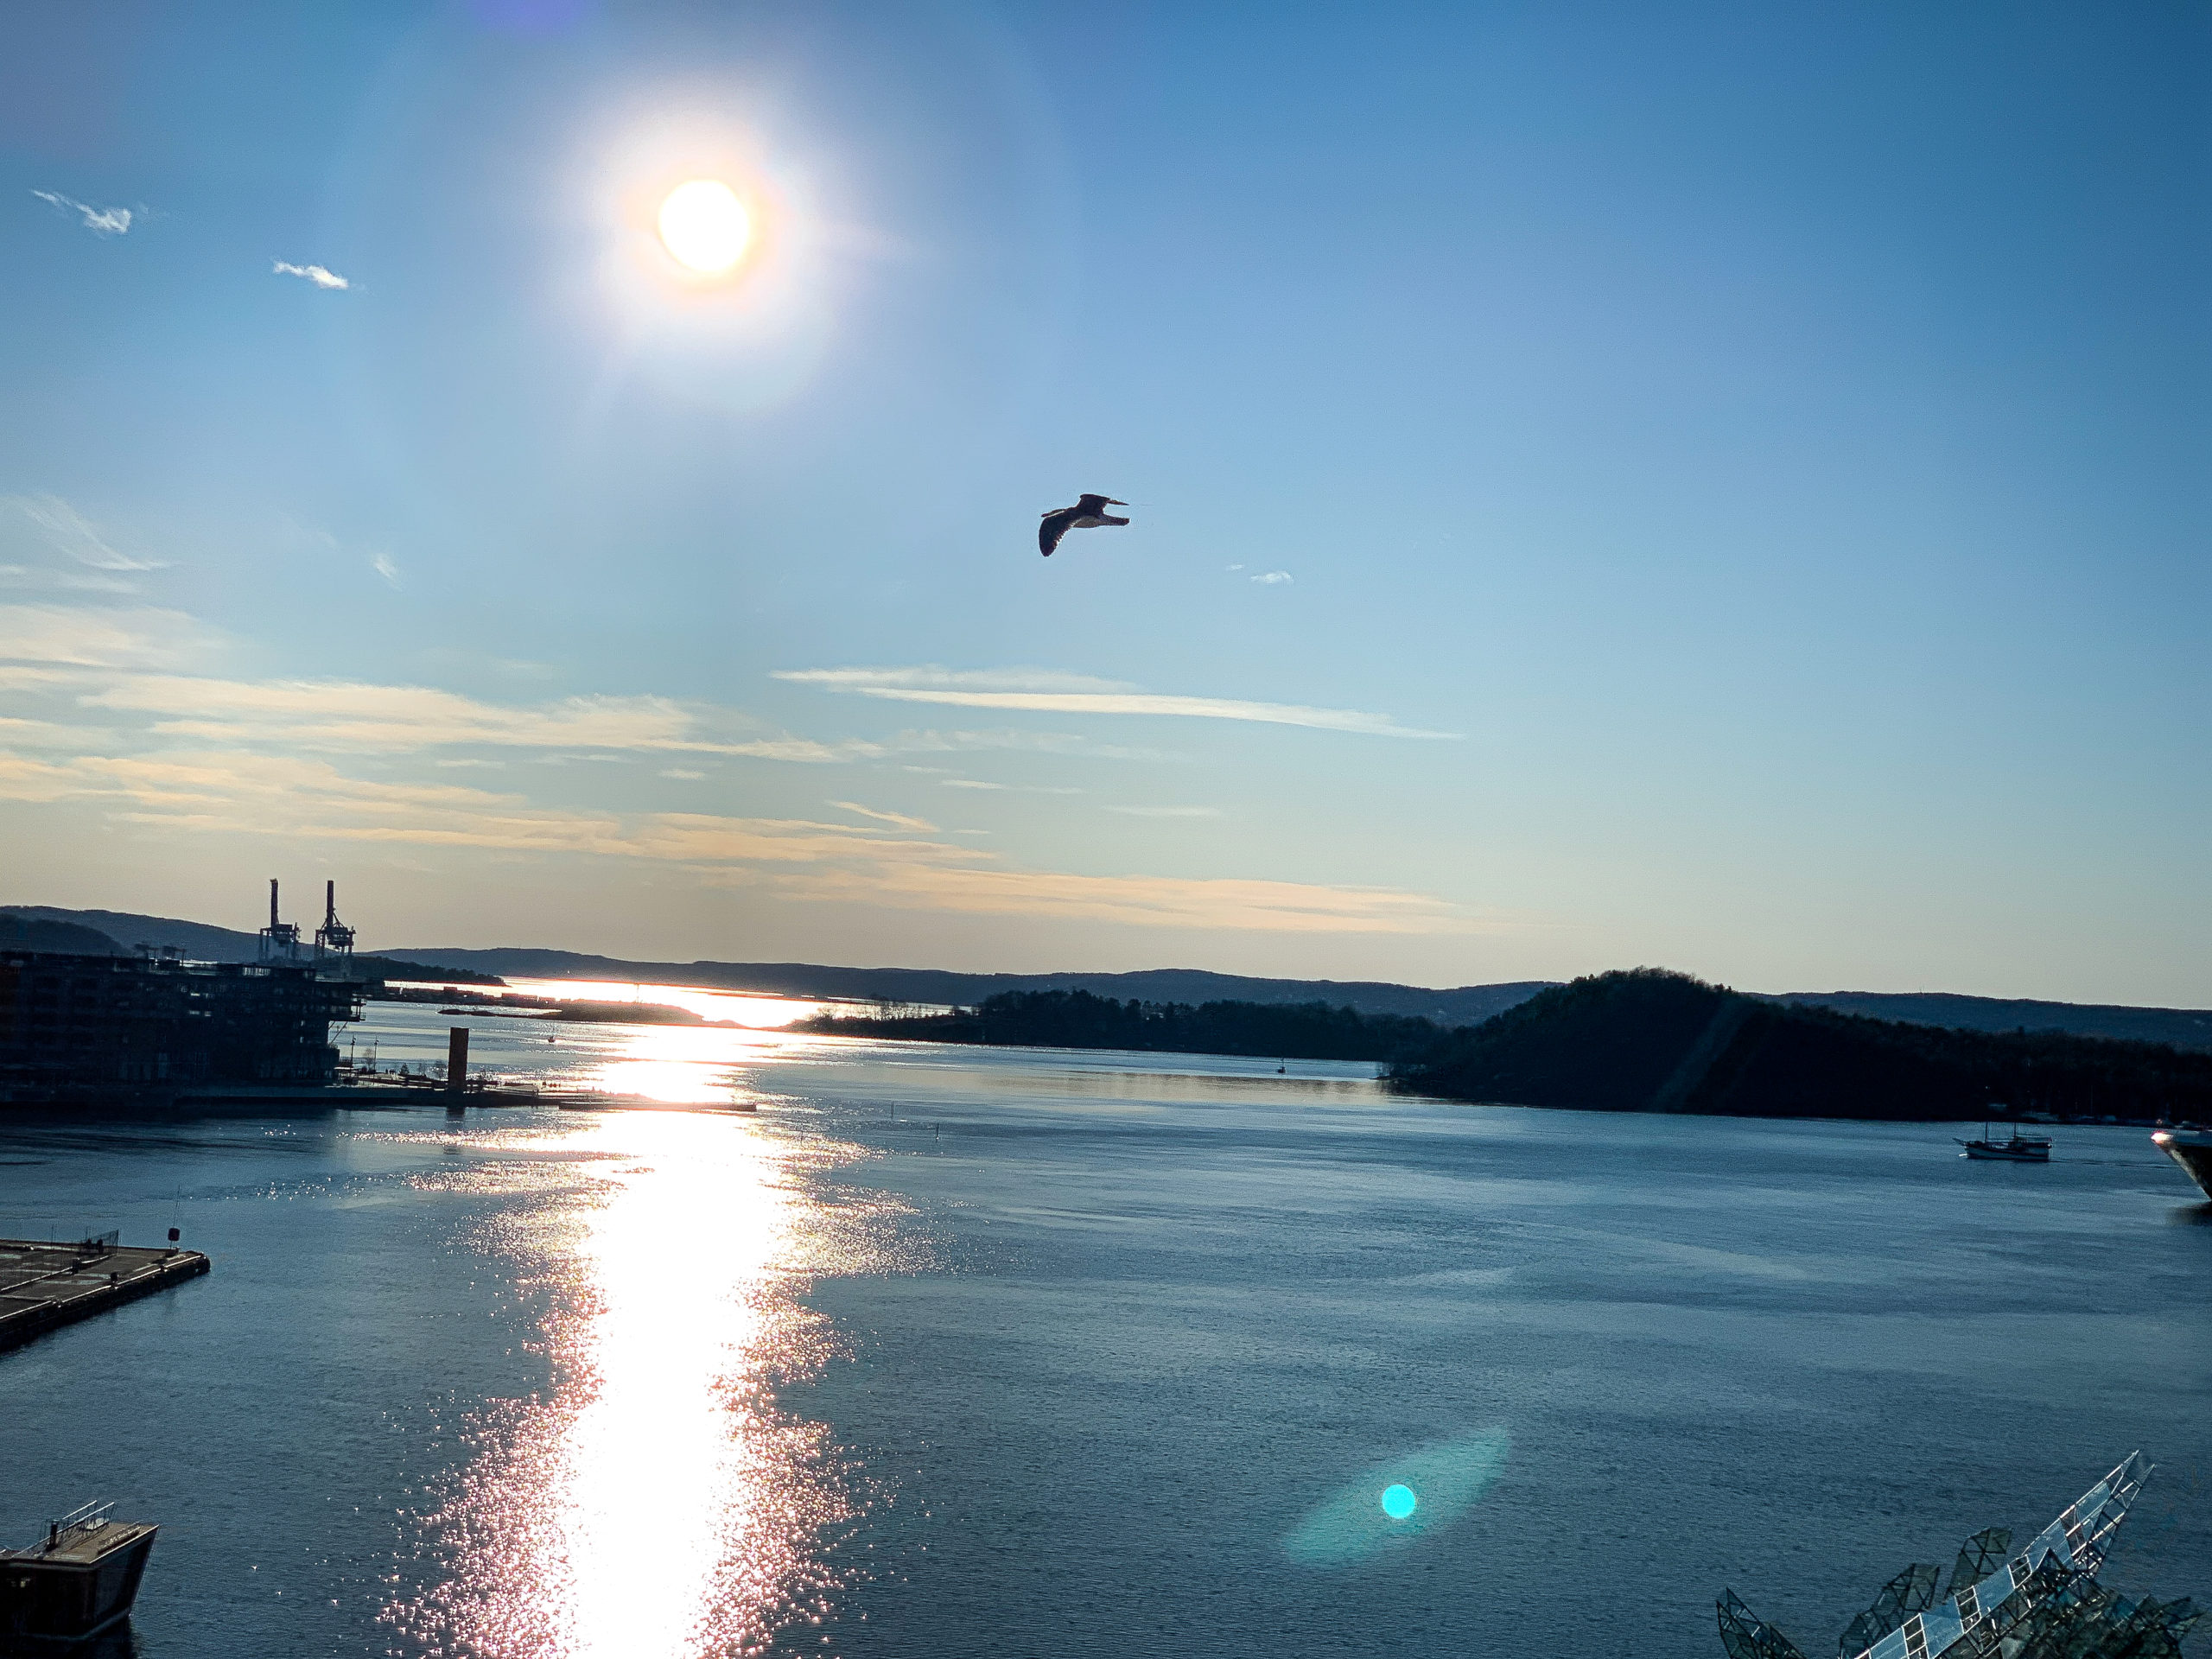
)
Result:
{"points": [[330, 904], [272, 901]]}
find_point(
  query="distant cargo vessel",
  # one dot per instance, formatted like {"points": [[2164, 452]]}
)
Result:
{"points": [[80, 1580], [2191, 1147]]}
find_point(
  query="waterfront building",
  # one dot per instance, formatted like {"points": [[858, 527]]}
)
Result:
{"points": [[92, 1028]]}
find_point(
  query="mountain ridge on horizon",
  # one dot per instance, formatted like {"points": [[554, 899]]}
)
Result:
{"points": [[2189, 1028]]}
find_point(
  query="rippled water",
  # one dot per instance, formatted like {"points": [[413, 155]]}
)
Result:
{"points": [[962, 1352]]}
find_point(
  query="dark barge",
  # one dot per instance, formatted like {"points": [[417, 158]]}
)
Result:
{"points": [[77, 1582]]}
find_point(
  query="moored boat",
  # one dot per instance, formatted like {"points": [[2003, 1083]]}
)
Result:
{"points": [[79, 1580], [2019, 1149], [2191, 1147]]}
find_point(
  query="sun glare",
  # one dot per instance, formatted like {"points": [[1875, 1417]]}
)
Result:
{"points": [[705, 226]]}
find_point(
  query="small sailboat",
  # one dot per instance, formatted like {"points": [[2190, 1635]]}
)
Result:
{"points": [[2018, 1149]]}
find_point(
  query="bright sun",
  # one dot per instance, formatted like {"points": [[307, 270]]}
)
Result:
{"points": [[705, 226]]}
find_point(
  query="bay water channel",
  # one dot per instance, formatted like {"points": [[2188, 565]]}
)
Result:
{"points": [[955, 1352]]}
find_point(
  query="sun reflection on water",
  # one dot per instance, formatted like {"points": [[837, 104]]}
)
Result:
{"points": [[661, 1502], [764, 1013], [682, 1066]]}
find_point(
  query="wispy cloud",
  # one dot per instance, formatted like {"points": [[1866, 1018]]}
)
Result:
{"points": [[382, 564], [1067, 743], [1168, 811], [237, 794], [100, 221], [1024, 689], [70, 637], [350, 715], [46, 735], [54, 580], [875, 682], [896, 820], [321, 276], [1006, 789], [1273, 578], [683, 774], [62, 549]]}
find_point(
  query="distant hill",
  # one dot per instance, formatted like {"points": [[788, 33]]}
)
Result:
{"points": [[1467, 1005], [57, 938], [196, 939], [1651, 1041], [2182, 1027], [117, 932]]}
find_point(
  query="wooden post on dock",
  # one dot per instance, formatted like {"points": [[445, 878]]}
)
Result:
{"points": [[456, 1063]]}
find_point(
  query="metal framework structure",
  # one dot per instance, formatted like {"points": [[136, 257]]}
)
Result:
{"points": [[334, 940], [2046, 1603], [280, 941]]}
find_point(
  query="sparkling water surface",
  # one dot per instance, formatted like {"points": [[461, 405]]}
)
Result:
{"points": [[956, 1351]]}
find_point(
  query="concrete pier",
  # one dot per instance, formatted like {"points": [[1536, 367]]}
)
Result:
{"points": [[43, 1286]]}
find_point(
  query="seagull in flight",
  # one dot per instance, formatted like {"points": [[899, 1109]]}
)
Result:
{"points": [[1088, 513]]}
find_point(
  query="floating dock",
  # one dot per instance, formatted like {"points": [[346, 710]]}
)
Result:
{"points": [[43, 1285]]}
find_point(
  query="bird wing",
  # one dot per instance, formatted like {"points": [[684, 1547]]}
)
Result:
{"points": [[1054, 526], [1090, 503]]}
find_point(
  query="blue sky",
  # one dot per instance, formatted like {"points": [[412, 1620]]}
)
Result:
{"points": [[1715, 485]]}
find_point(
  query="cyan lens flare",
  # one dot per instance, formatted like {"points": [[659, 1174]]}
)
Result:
{"points": [[1422, 1492]]}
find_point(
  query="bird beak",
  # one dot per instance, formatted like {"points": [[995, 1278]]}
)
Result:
{"points": [[1111, 502]]}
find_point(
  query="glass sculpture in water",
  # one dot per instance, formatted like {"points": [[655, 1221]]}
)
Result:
{"points": [[2044, 1603]]}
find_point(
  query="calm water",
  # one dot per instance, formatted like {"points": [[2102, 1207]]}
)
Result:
{"points": [[962, 1352]]}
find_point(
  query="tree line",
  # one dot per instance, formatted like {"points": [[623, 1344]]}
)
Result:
{"points": [[1300, 1031]]}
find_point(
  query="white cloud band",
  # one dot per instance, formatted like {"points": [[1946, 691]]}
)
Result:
{"points": [[321, 276], [100, 221], [962, 691], [234, 794]]}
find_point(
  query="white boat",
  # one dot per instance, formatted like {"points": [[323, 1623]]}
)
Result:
{"points": [[2191, 1147]]}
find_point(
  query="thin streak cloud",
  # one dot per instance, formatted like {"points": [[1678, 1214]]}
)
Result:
{"points": [[962, 691], [321, 276], [67, 531], [896, 820], [342, 715], [1007, 789], [930, 676], [100, 221], [65, 637]]}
